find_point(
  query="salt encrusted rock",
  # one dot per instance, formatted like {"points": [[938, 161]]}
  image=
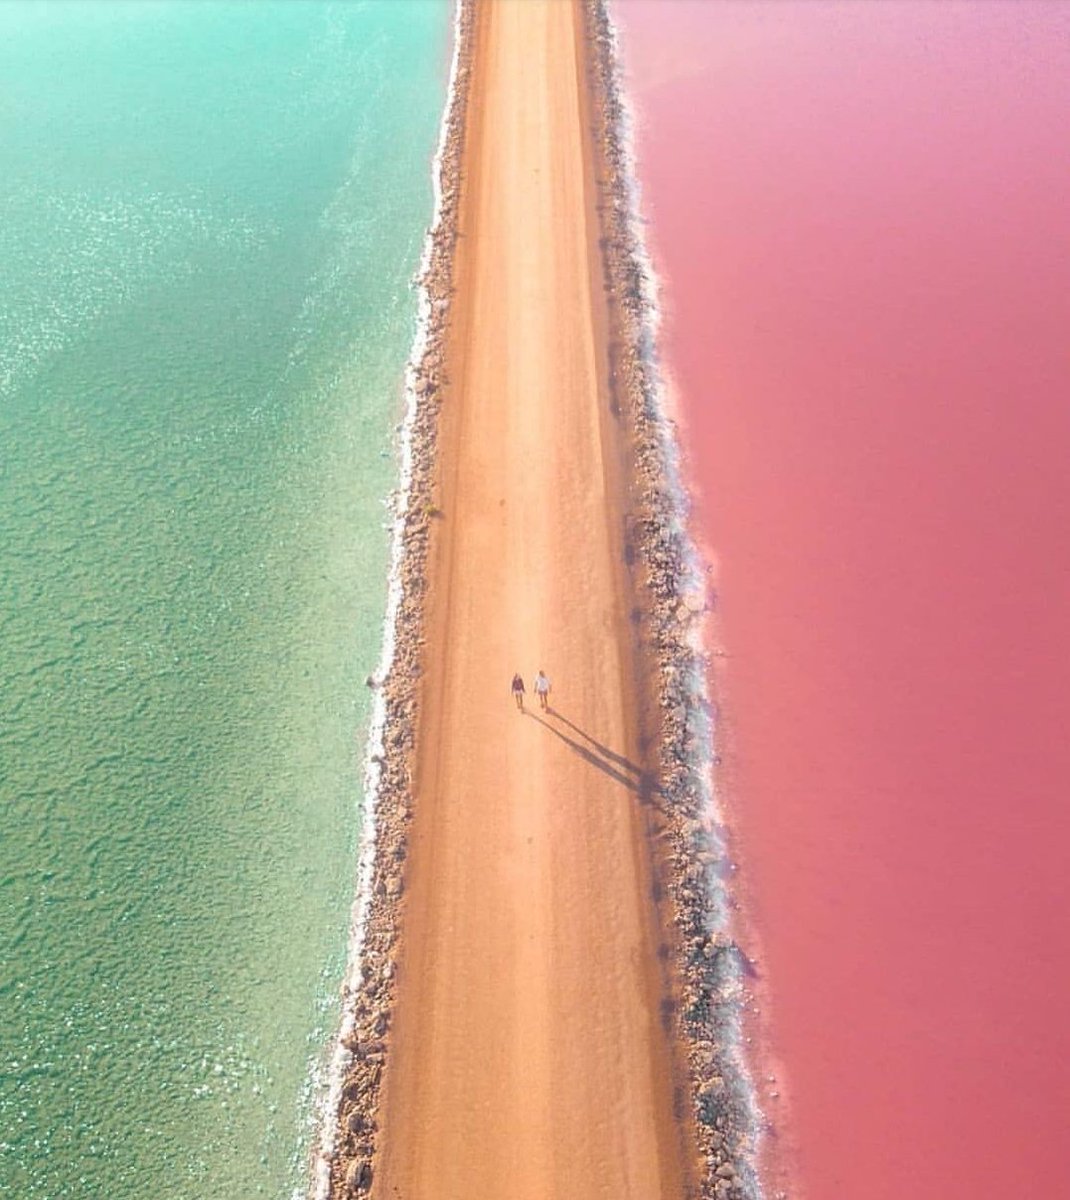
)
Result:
{"points": [[372, 998], [659, 554], [359, 1176], [659, 564]]}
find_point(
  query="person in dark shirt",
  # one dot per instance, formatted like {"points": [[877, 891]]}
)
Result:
{"points": [[518, 691]]}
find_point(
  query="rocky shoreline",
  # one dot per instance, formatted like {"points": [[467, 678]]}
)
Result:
{"points": [[711, 968], [368, 1000]]}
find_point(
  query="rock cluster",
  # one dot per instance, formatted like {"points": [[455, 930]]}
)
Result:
{"points": [[368, 1006], [709, 966]]}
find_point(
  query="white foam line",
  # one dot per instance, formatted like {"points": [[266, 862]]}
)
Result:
{"points": [[325, 1151], [693, 583]]}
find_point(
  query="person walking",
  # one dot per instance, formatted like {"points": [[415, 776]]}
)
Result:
{"points": [[542, 690], [518, 690]]}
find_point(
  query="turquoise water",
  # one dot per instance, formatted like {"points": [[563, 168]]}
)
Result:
{"points": [[209, 217]]}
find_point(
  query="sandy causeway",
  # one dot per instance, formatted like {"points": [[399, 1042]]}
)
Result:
{"points": [[519, 1028]]}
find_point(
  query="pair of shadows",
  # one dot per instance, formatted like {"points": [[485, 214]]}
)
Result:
{"points": [[620, 769]]}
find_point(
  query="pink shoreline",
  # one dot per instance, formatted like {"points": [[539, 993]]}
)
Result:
{"points": [[858, 223]]}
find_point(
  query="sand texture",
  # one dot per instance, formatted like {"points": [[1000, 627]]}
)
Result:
{"points": [[540, 977], [528, 1056]]}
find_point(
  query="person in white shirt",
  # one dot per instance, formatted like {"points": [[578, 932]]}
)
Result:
{"points": [[542, 690]]}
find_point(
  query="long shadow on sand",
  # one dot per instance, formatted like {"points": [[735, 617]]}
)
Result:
{"points": [[616, 766], [604, 751]]}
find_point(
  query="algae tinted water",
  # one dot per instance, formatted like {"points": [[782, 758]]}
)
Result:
{"points": [[209, 217], [862, 213]]}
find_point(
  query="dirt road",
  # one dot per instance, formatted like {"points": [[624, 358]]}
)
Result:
{"points": [[528, 1055]]}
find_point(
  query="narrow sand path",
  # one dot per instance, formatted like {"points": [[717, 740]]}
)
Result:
{"points": [[528, 1054]]}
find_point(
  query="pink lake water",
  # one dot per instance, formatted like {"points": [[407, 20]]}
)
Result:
{"points": [[860, 216]]}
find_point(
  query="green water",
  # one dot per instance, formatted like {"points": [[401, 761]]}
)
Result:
{"points": [[209, 217]]}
